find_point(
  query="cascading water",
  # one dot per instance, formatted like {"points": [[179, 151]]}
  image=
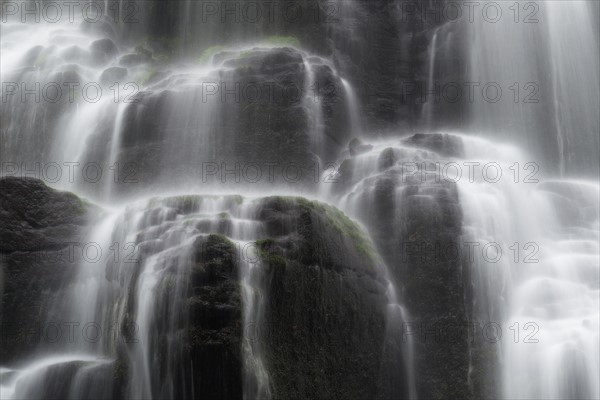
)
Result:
{"points": [[120, 111], [148, 289], [540, 92], [428, 107], [536, 279], [194, 95], [544, 287], [73, 368], [571, 38], [353, 109], [540, 278]]}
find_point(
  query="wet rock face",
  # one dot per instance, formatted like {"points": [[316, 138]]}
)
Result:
{"points": [[215, 332], [112, 75], [270, 123], [261, 116], [325, 311], [381, 46], [443, 144], [430, 219], [210, 365], [103, 50], [413, 218], [411, 229], [41, 231], [327, 345], [324, 323]]}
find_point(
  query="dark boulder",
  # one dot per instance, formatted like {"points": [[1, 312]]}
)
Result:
{"points": [[415, 219], [248, 121], [326, 304], [34, 217], [134, 59], [215, 335], [41, 232], [443, 144], [357, 147], [324, 322], [103, 50], [113, 75]]}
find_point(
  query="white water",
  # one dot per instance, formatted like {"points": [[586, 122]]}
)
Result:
{"points": [[397, 317], [256, 377], [428, 107], [154, 287], [84, 303], [544, 57], [30, 382], [543, 289], [353, 109], [548, 308], [312, 101], [576, 99]]}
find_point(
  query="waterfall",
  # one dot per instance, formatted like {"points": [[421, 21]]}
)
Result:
{"points": [[154, 247], [180, 119], [514, 94], [78, 364], [428, 107], [313, 101], [353, 109], [544, 287], [571, 37], [155, 122], [540, 280]]}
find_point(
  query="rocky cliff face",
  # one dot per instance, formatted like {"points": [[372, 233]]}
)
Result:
{"points": [[380, 46], [259, 117], [412, 210], [42, 232], [324, 288], [324, 324], [324, 330], [329, 345]]}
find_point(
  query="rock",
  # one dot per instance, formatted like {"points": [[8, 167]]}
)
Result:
{"points": [[76, 54], [103, 50], [31, 56], [380, 46], [325, 313], [257, 125], [216, 320], [34, 217], [207, 339], [134, 59], [324, 323], [104, 27], [357, 147], [265, 61], [444, 144], [411, 216], [40, 232], [326, 305], [113, 75]]}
